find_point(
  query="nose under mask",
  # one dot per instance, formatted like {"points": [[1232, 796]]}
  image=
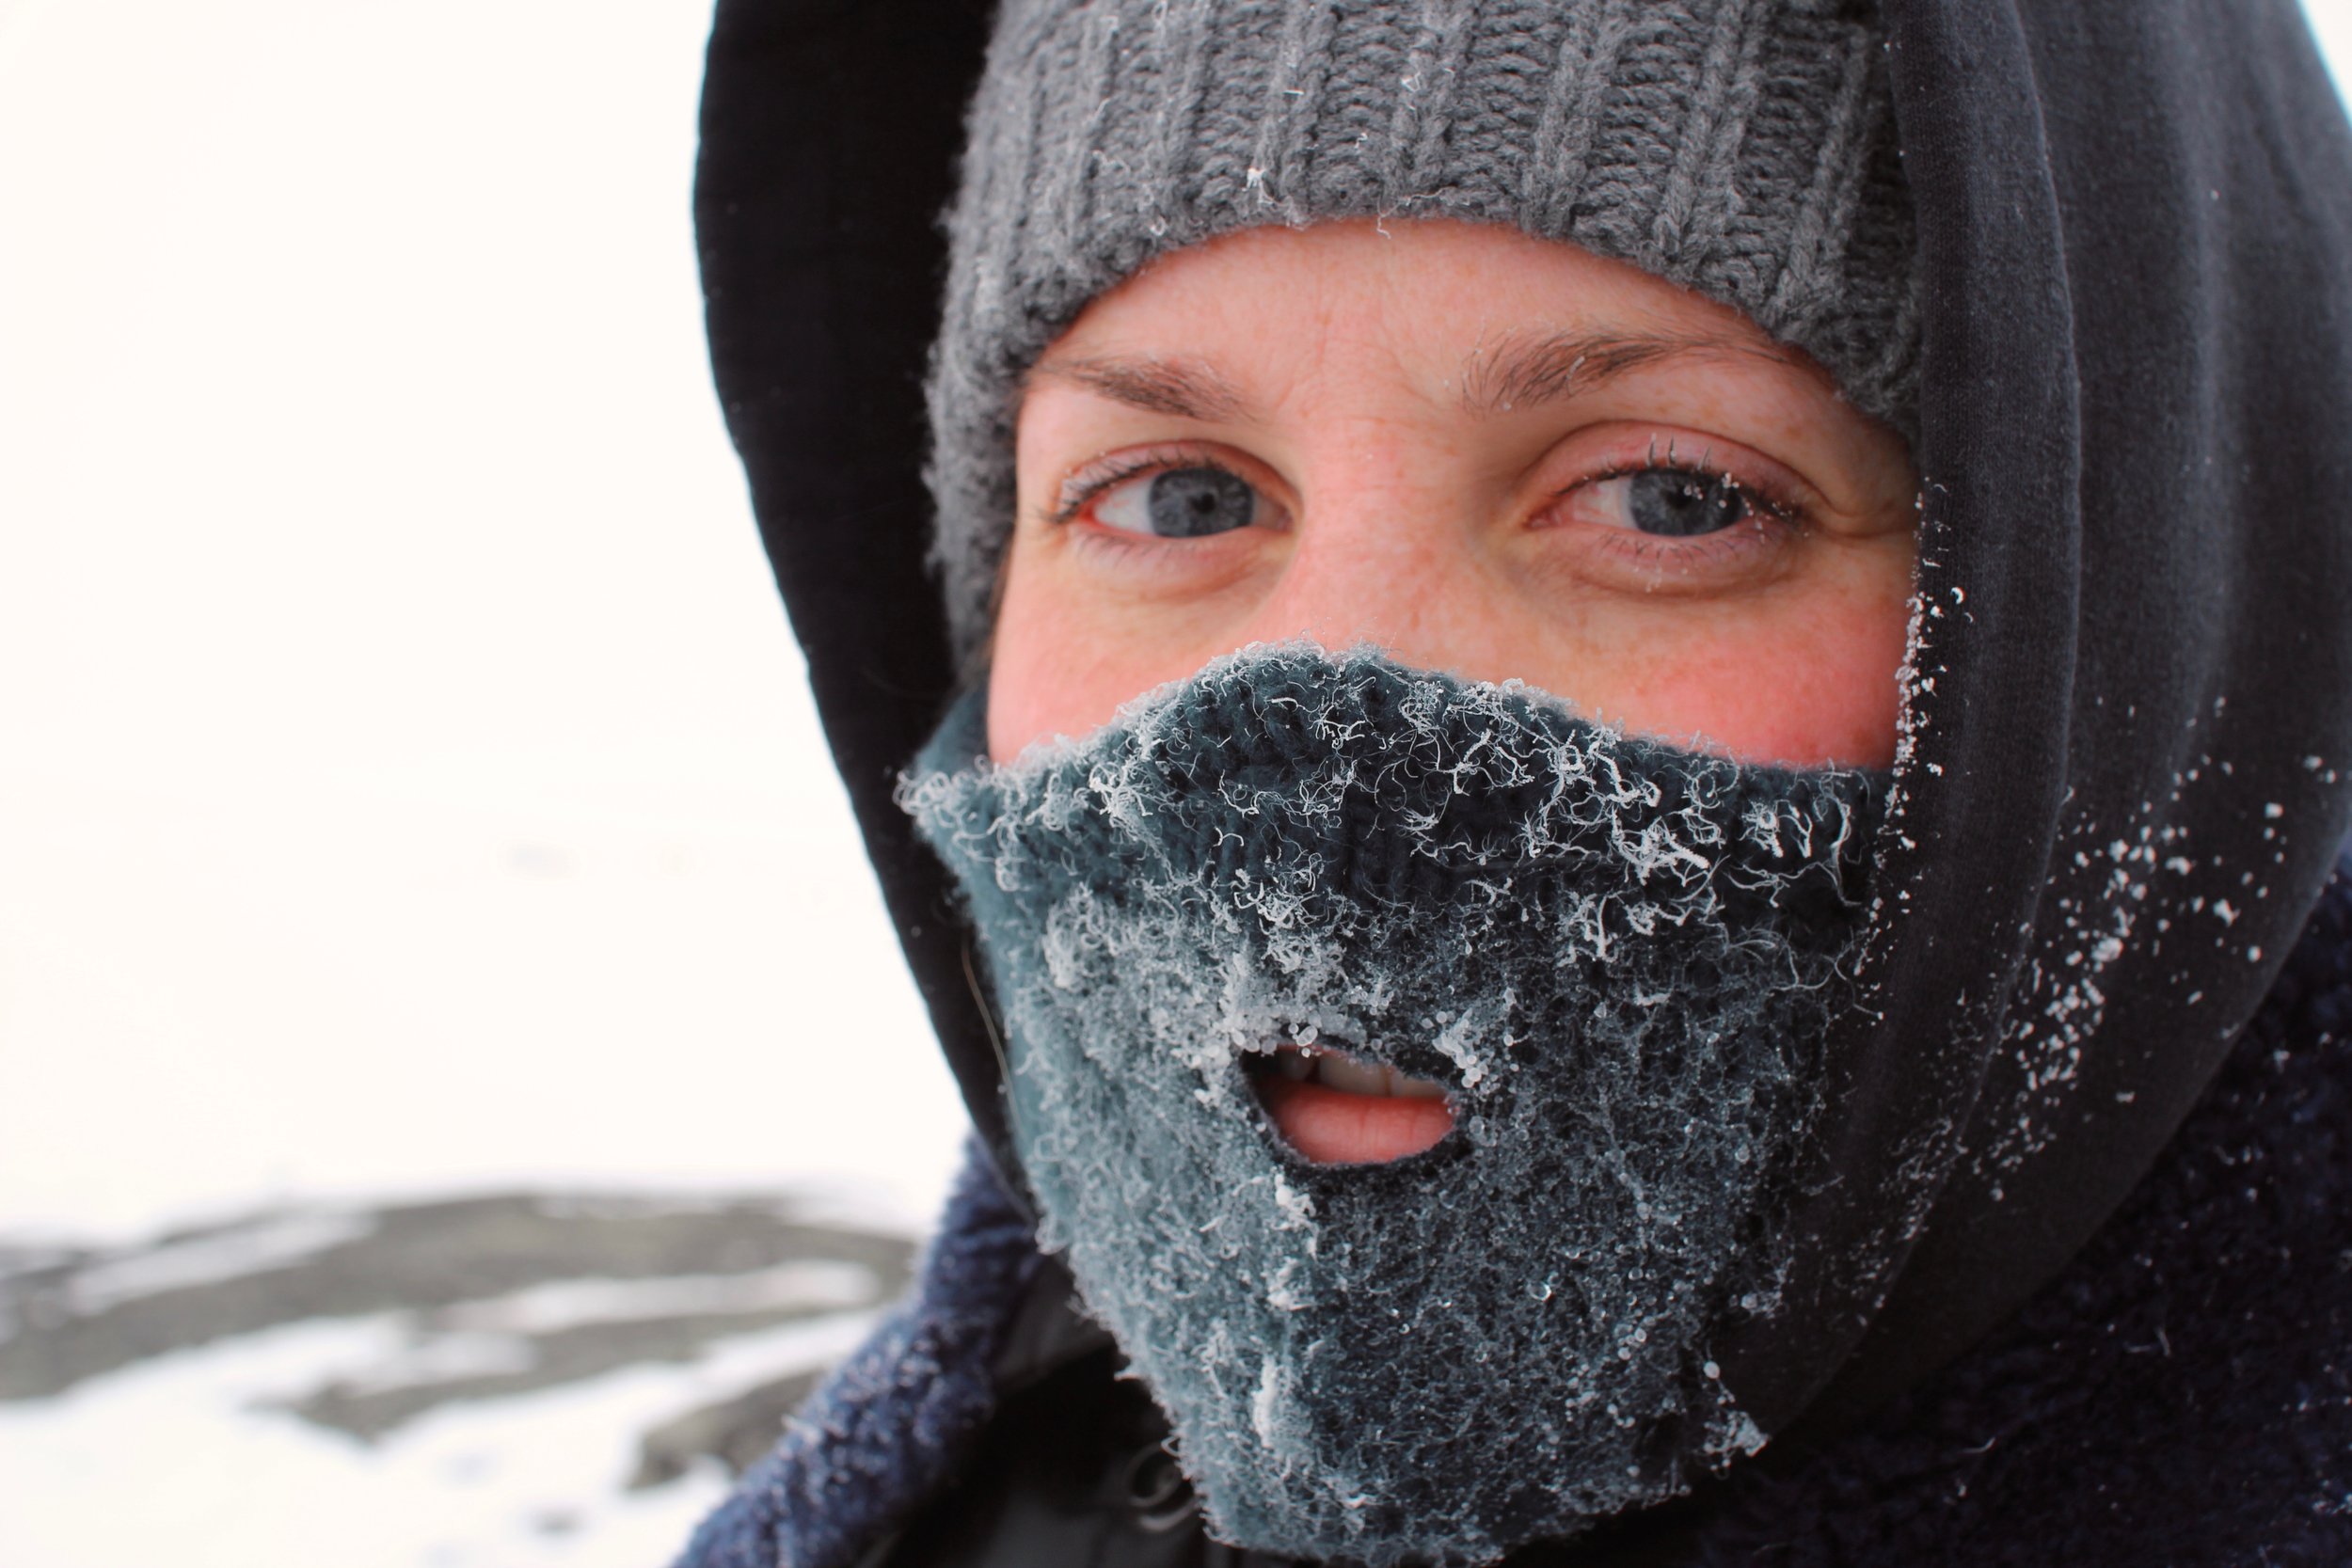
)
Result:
{"points": [[1617, 959]]}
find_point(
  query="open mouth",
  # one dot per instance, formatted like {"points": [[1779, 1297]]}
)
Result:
{"points": [[1336, 1109]]}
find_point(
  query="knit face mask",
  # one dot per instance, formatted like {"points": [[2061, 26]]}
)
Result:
{"points": [[1620, 959]]}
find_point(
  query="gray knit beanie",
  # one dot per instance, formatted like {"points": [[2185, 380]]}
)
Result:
{"points": [[1744, 148]]}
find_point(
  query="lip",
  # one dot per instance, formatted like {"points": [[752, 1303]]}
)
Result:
{"points": [[1335, 1109]]}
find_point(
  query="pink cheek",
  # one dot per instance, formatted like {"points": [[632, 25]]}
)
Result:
{"points": [[1059, 672], [1800, 700], [1027, 702]]}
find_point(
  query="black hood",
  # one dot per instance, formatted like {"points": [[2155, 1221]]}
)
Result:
{"points": [[2130, 761]]}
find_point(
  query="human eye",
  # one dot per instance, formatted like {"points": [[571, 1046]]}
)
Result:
{"points": [[1166, 495], [1651, 515], [1674, 503]]}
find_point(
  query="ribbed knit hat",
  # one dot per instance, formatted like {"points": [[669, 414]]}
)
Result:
{"points": [[1740, 148]]}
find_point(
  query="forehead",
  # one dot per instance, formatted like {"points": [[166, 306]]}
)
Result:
{"points": [[1474, 318]]}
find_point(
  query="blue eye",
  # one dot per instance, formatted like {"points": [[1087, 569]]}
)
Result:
{"points": [[1178, 503], [1676, 504]]}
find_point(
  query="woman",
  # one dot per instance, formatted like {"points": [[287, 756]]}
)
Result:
{"points": [[1794, 1075]]}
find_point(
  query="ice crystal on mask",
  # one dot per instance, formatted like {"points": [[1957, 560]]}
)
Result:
{"points": [[1621, 958]]}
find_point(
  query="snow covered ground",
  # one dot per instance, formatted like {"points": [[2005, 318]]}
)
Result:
{"points": [[411, 811], [507, 1379]]}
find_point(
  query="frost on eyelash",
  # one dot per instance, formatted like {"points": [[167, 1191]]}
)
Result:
{"points": [[1620, 958]]}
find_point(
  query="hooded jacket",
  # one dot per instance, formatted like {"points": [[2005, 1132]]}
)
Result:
{"points": [[2127, 772]]}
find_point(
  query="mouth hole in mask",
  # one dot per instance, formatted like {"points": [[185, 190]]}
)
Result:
{"points": [[1335, 1107]]}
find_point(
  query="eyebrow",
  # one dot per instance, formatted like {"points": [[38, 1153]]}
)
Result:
{"points": [[1186, 389], [1525, 373], [1519, 372]]}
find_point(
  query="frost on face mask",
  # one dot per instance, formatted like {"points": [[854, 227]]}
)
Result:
{"points": [[1619, 959]]}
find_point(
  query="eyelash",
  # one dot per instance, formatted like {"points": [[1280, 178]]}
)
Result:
{"points": [[1772, 516], [1764, 497], [1771, 509], [1081, 489]]}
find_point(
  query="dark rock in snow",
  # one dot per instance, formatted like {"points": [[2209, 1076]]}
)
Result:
{"points": [[490, 1297]]}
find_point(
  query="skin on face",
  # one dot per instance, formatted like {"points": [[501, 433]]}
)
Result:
{"points": [[1435, 434], [1482, 454]]}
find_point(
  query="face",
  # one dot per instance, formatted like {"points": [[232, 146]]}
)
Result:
{"points": [[1496, 458], [1482, 453]]}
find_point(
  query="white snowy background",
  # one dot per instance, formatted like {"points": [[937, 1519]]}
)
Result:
{"points": [[407, 789]]}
